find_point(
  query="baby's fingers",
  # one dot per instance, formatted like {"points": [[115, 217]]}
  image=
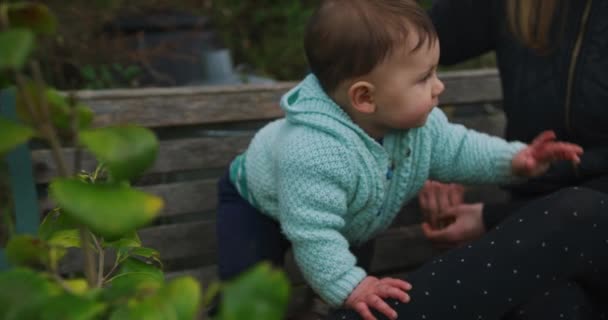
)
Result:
{"points": [[542, 138], [395, 293], [377, 303], [559, 151], [401, 284], [363, 310]]}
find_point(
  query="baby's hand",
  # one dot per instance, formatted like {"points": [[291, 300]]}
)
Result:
{"points": [[536, 158], [371, 292]]}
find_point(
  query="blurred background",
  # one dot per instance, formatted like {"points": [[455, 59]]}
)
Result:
{"points": [[159, 43]]}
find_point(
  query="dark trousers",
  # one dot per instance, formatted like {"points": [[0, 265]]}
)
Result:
{"points": [[246, 237], [549, 248]]}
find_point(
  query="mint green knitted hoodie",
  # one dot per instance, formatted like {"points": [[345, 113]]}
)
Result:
{"points": [[325, 180]]}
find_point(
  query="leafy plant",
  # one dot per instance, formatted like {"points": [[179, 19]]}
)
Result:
{"points": [[97, 212], [266, 35], [110, 76]]}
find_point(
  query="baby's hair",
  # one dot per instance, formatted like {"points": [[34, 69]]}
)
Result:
{"points": [[349, 38]]}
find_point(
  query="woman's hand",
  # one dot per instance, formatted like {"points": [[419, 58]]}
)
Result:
{"points": [[466, 225], [436, 198], [449, 222]]}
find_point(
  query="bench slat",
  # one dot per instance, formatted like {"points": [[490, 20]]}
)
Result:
{"points": [[177, 107], [154, 107], [195, 239], [174, 155], [186, 197], [213, 152]]}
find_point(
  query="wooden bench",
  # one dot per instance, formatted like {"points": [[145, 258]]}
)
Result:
{"points": [[201, 129]]}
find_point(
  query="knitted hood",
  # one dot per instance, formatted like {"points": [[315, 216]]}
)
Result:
{"points": [[309, 105]]}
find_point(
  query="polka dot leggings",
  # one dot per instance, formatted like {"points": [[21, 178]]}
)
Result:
{"points": [[556, 244]]}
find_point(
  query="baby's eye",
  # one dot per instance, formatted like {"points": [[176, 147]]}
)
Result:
{"points": [[426, 77]]}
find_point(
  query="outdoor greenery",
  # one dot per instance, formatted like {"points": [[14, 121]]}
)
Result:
{"points": [[98, 212], [264, 37]]}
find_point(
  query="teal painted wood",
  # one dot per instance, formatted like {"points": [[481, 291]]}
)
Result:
{"points": [[23, 187]]}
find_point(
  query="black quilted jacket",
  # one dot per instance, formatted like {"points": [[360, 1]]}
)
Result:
{"points": [[565, 90]]}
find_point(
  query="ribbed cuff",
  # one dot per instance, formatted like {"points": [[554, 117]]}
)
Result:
{"points": [[336, 293], [504, 163]]}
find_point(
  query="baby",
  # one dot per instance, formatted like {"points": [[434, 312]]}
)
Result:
{"points": [[361, 135]]}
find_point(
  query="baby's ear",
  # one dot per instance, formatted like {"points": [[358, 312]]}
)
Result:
{"points": [[361, 96]]}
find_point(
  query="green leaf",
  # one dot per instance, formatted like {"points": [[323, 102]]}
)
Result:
{"points": [[13, 134], [134, 276], [130, 246], [55, 256], [59, 106], [88, 72], [127, 151], [151, 308], [78, 285], [179, 300], [60, 232], [123, 245], [260, 293], [148, 254], [71, 307], [23, 292], [61, 111], [59, 229], [211, 291], [133, 270], [127, 241], [34, 16], [131, 72], [15, 47], [25, 250], [4, 80], [184, 295], [110, 210]]}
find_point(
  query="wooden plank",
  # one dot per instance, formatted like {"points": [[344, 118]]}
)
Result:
{"points": [[174, 155], [186, 106], [185, 240], [174, 241], [181, 240], [215, 152], [402, 247], [201, 195], [161, 107], [180, 197], [470, 87], [218, 151], [205, 275], [186, 197]]}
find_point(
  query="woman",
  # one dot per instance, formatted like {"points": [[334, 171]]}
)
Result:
{"points": [[553, 66], [551, 57]]}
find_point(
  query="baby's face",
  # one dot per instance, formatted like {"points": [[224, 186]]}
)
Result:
{"points": [[407, 87]]}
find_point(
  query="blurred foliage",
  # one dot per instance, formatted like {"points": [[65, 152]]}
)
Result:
{"points": [[96, 212], [109, 76], [264, 36]]}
